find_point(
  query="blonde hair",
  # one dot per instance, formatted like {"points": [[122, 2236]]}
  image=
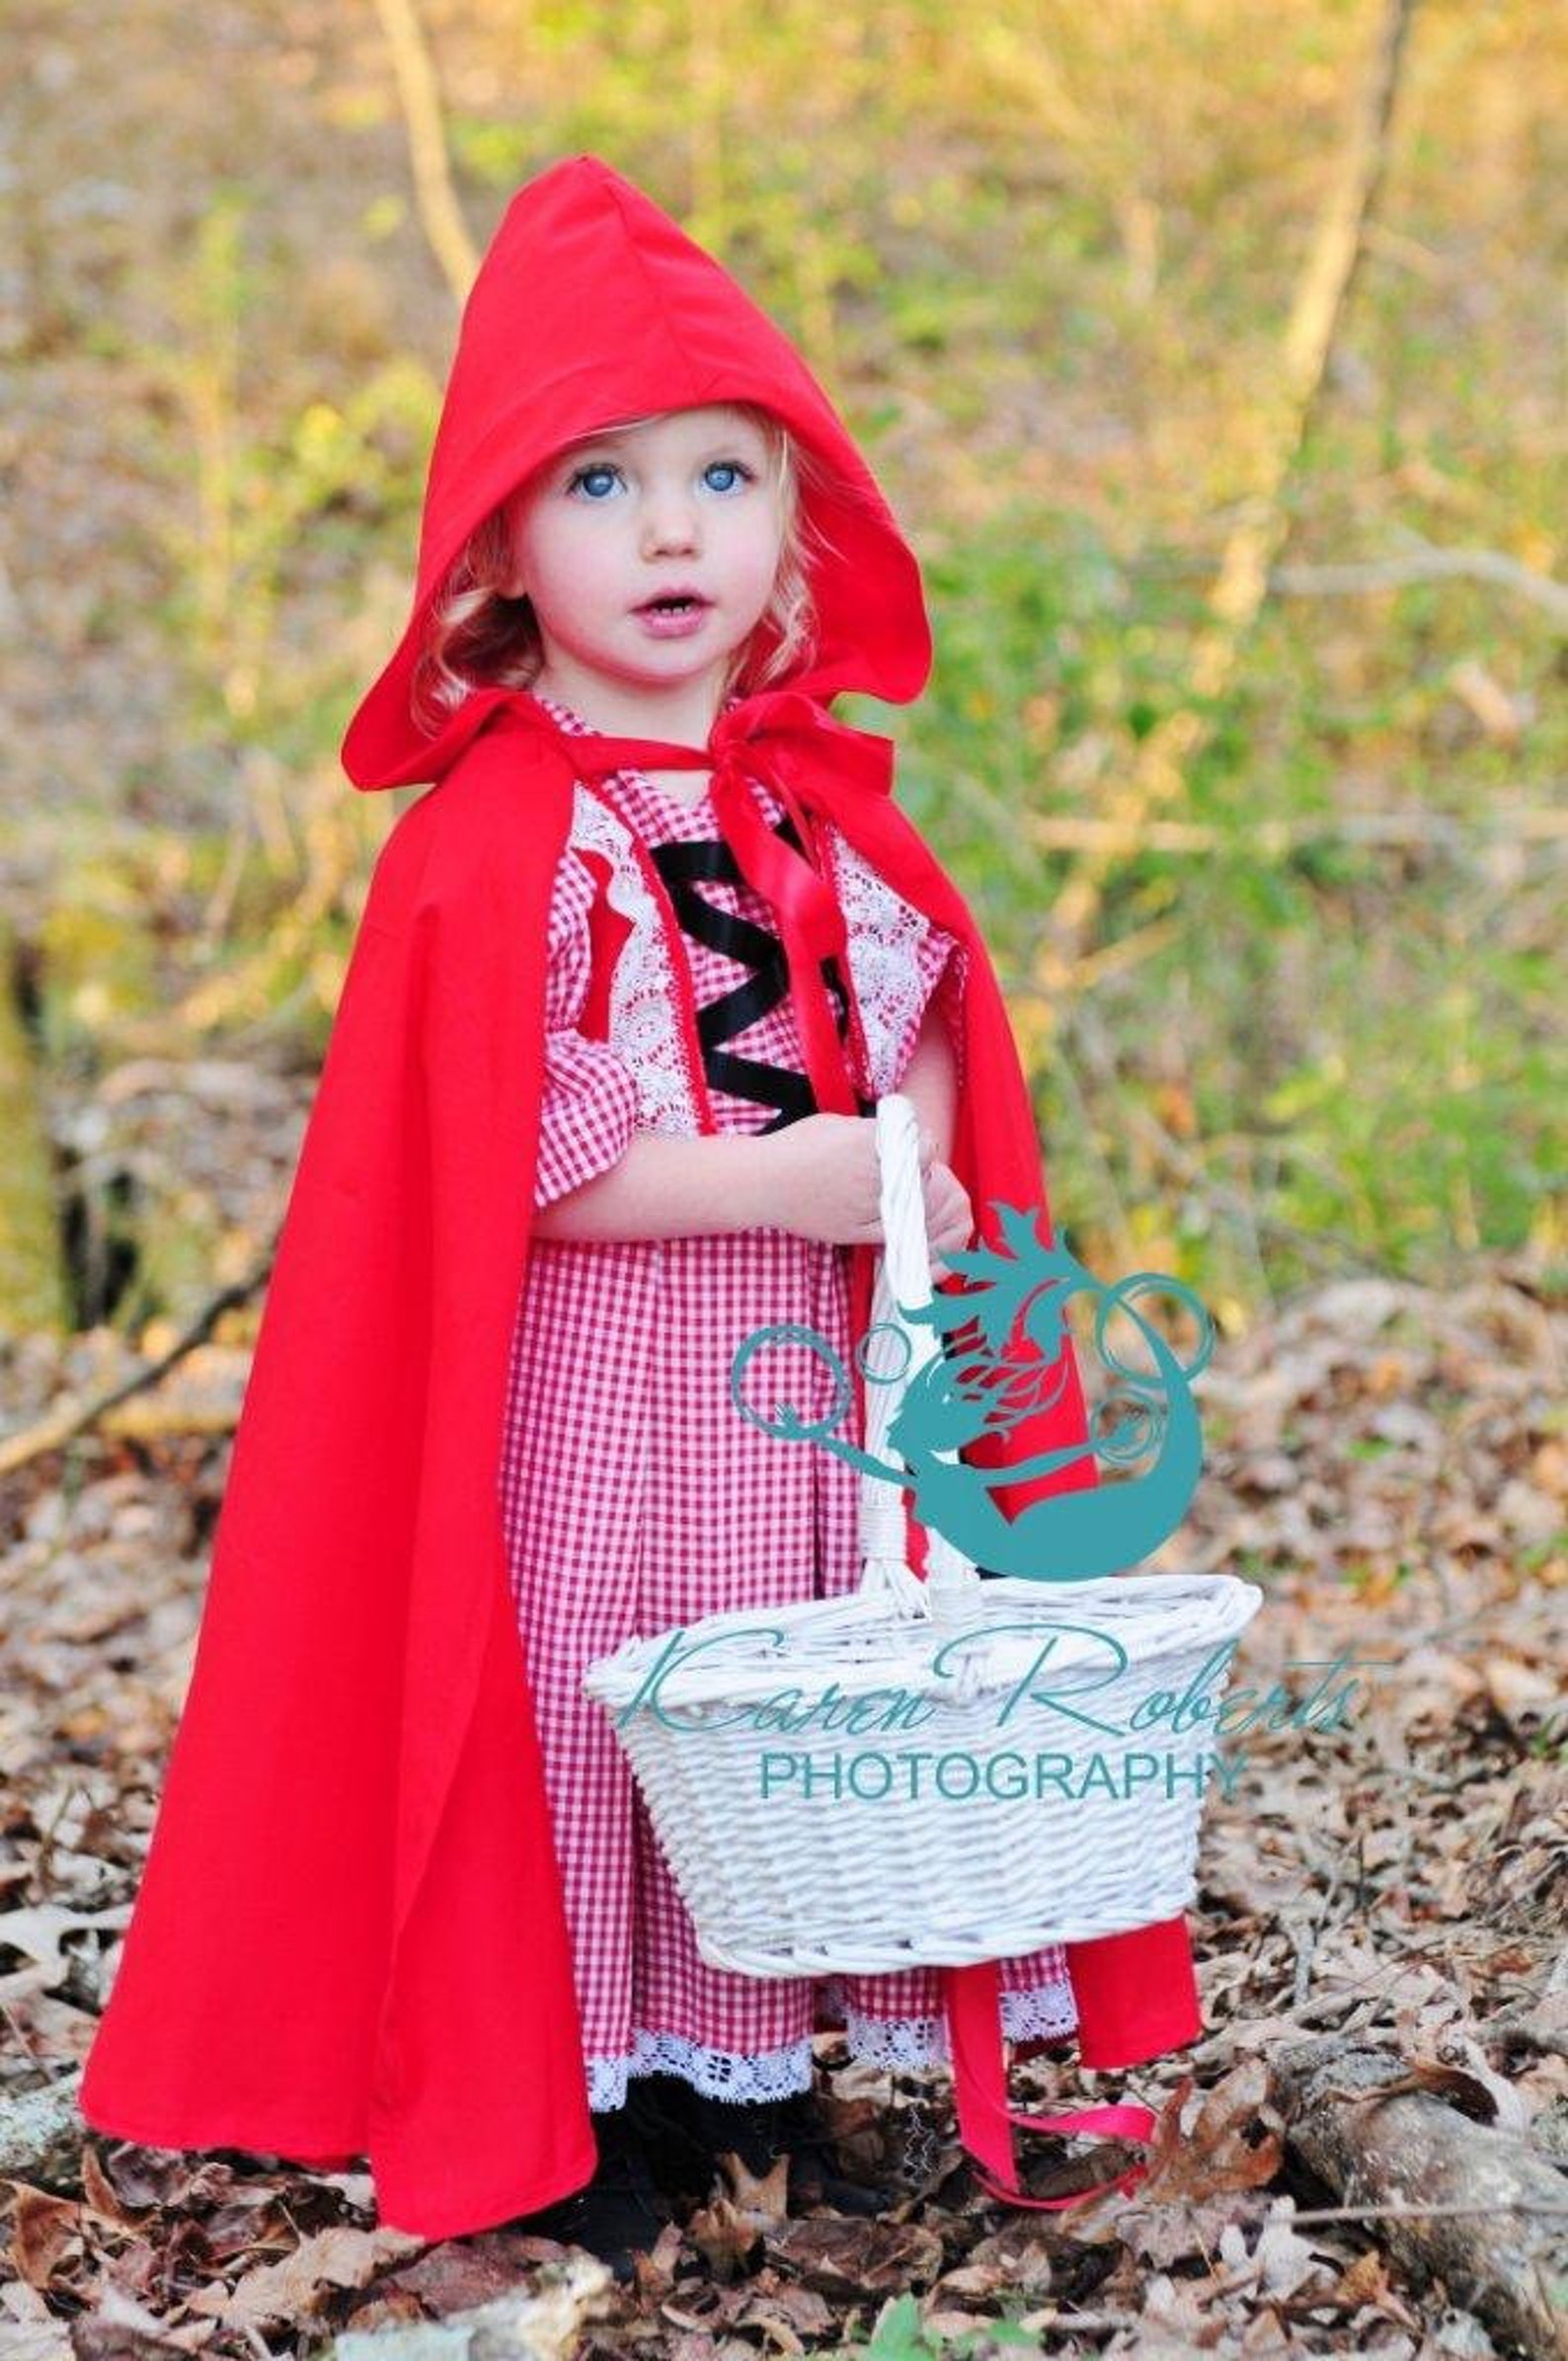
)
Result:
{"points": [[478, 637]]}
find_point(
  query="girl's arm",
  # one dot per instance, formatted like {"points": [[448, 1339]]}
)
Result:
{"points": [[930, 1079], [669, 1185]]}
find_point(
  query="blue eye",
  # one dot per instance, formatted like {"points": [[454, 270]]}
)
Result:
{"points": [[728, 467], [601, 467]]}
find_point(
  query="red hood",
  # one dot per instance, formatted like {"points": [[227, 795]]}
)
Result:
{"points": [[592, 307]]}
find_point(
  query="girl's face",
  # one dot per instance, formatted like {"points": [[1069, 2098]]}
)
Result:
{"points": [[682, 504]]}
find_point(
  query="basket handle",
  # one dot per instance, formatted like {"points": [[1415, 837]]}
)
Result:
{"points": [[903, 1278]]}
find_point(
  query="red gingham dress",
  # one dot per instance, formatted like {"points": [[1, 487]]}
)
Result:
{"points": [[634, 1495]]}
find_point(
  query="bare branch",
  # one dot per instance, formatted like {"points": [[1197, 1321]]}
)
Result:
{"points": [[434, 198]]}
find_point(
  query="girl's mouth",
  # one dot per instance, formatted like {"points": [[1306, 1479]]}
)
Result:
{"points": [[671, 618]]}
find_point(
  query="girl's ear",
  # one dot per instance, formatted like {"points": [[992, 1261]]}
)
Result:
{"points": [[505, 578], [509, 578], [500, 577]]}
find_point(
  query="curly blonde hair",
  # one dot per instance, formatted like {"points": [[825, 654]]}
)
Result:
{"points": [[478, 637]]}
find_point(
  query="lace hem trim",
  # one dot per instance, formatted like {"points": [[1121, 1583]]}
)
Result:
{"points": [[715, 2074], [1044, 2013]]}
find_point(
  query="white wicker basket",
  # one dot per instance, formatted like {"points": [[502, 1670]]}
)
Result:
{"points": [[857, 1858]]}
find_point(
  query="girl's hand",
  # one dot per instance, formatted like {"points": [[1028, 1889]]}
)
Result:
{"points": [[827, 1184], [949, 1216], [826, 1180]]}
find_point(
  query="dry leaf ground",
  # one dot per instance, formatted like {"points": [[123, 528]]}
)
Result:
{"points": [[1388, 1462]]}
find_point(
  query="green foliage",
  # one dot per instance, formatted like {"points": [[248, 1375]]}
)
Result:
{"points": [[900, 2334]]}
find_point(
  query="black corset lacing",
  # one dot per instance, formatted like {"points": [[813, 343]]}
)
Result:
{"points": [[681, 865]]}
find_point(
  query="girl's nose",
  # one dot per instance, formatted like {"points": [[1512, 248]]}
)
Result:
{"points": [[669, 522]]}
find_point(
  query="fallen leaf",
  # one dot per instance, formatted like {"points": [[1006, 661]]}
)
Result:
{"points": [[842, 2257], [293, 2287], [45, 2230]]}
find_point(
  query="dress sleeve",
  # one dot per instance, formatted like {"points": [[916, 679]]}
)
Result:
{"points": [[901, 962], [942, 961], [589, 1109]]}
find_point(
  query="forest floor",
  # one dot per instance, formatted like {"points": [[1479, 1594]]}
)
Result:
{"points": [[1391, 1466]]}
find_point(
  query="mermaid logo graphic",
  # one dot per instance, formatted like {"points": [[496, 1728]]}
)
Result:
{"points": [[998, 1355]]}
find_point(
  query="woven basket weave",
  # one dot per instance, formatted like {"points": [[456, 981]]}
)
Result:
{"points": [[827, 1849]]}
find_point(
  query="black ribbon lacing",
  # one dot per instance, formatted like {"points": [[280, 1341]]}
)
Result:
{"points": [[681, 865]]}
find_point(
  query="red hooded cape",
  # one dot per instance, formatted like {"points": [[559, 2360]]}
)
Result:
{"points": [[350, 1939]]}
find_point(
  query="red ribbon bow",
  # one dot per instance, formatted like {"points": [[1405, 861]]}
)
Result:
{"points": [[811, 762], [986, 2123]]}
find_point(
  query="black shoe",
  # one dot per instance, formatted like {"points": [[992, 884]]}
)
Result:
{"points": [[619, 2213], [814, 2178], [686, 2131], [685, 2128], [670, 2118], [752, 2129]]}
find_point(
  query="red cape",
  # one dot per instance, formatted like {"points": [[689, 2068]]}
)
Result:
{"points": [[349, 1937]]}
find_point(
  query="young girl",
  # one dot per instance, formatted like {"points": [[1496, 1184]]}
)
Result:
{"points": [[629, 979]]}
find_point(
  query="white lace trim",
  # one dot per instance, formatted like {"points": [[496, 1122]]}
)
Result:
{"points": [[896, 2041], [717, 2073], [643, 990], [885, 935], [1043, 2013]]}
